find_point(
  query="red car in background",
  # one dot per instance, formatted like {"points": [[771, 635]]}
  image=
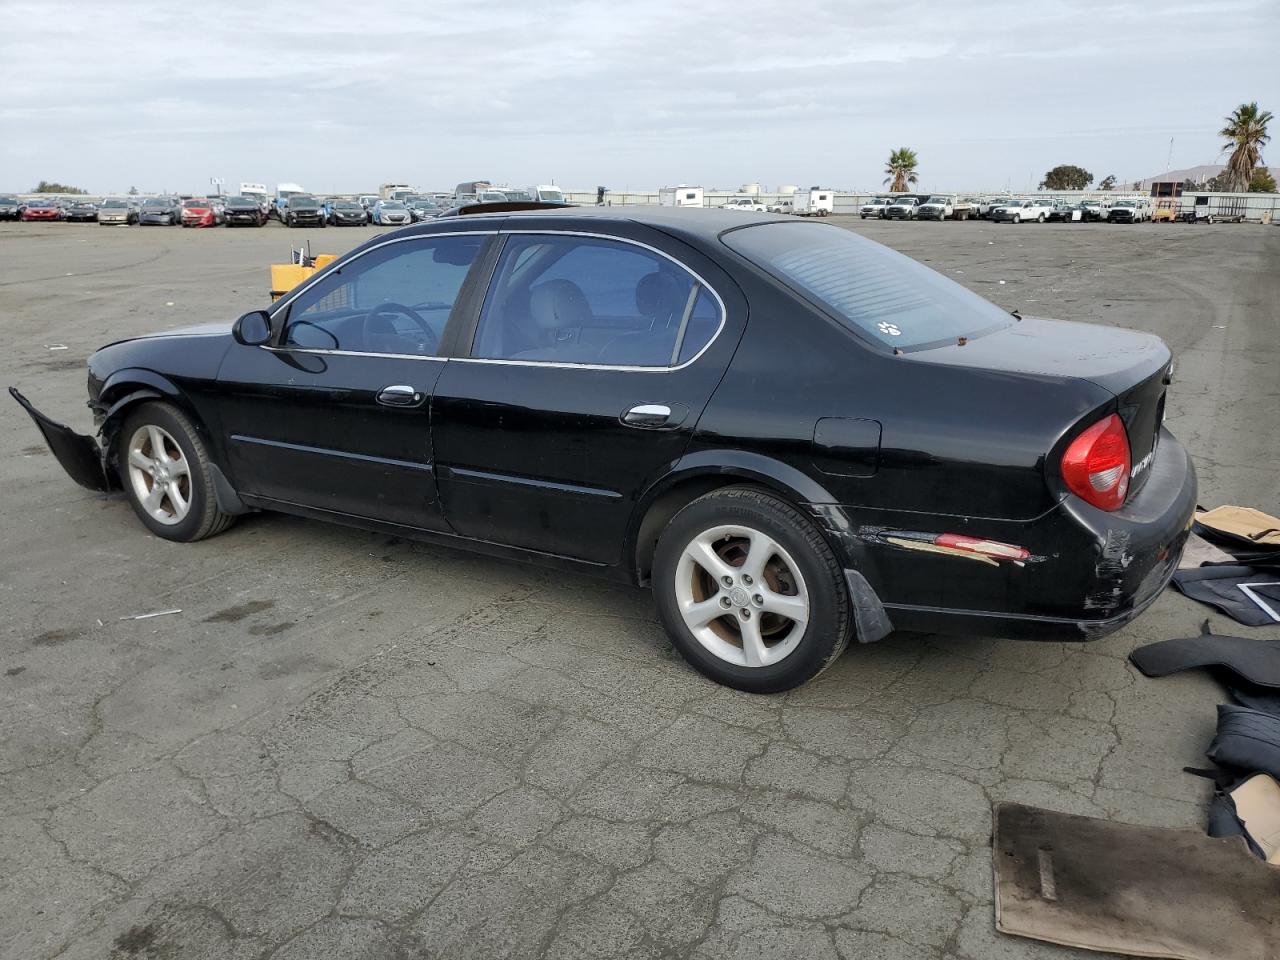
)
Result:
{"points": [[199, 213], [42, 210]]}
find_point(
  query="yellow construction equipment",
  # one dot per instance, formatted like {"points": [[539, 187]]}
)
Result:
{"points": [[286, 276]]}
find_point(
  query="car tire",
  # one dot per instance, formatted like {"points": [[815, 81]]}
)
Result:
{"points": [[1017, 218], [1040, 219], [862, 216], [801, 575], [159, 448]]}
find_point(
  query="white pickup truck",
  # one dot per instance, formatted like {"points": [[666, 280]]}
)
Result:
{"points": [[747, 204], [942, 206], [1020, 211]]}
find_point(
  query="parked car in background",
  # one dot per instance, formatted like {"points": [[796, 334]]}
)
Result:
{"points": [[199, 212], [948, 467], [81, 211], [1128, 210], [1063, 211], [391, 213], [424, 209], [782, 206], [303, 210], [875, 207], [987, 206], [42, 210], [115, 211], [10, 208], [747, 204], [903, 208], [367, 200], [1094, 210], [244, 210], [1020, 211], [944, 206], [348, 213], [160, 211]]}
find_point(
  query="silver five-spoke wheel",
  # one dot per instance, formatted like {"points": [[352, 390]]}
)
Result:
{"points": [[160, 474], [742, 596]]}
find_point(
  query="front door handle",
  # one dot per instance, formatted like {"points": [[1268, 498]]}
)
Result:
{"points": [[655, 416], [400, 395]]}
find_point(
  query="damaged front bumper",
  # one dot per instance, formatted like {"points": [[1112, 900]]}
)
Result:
{"points": [[79, 455]]}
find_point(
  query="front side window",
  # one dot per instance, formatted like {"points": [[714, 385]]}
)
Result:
{"points": [[394, 299], [587, 300], [866, 286]]}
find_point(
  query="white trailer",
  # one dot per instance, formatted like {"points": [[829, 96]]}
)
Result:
{"points": [[681, 196], [814, 202]]}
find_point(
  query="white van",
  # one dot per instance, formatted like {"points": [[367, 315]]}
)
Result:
{"points": [[681, 196], [546, 193], [814, 202]]}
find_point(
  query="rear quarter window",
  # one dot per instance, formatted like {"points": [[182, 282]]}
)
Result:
{"points": [[870, 289]]}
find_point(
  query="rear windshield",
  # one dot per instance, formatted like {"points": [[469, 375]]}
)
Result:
{"points": [[866, 286]]}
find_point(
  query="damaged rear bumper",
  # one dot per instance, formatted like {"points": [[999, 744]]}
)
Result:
{"points": [[1075, 573], [79, 455]]}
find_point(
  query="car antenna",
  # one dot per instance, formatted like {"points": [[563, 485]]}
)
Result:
{"points": [[1014, 312]]}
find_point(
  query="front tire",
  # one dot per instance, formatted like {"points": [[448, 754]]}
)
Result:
{"points": [[164, 468], [750, 593]]}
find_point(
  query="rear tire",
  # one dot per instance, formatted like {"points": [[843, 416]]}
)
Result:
{"points": [[788, 615], [165, 470]]}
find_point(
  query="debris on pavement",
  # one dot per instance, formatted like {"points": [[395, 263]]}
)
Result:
{"points": [[148, 616]]}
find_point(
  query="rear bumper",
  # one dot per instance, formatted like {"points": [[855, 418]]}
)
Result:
{"points": [[1086, 572]]}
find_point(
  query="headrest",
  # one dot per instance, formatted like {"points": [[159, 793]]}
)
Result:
{"points": [[559, 305], [658, 296]]}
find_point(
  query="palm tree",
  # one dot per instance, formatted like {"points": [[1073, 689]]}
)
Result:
{"points": [[902, 169], [1246, 132]]}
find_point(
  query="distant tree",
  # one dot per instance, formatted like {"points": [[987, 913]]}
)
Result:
{"points": [[1219, 184], [901, 169], [1108, 182], [1066, 176], [133, 191], [46, 186], [1246, 134], [1262, 182]]}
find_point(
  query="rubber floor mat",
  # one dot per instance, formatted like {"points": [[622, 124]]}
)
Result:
{"points": [[1254, 660], [1141, 891]]}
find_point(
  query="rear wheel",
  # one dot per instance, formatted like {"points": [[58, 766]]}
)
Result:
{"points": [[749, 592], [1040, 219], [164, 469]]}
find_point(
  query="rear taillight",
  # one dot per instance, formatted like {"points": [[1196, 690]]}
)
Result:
{"points": [[1096, 465]]}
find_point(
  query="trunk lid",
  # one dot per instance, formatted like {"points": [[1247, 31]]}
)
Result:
{"points": [[1133, 367]]}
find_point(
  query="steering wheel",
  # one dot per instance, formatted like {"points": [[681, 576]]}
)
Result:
{"points": [[388, 306]]}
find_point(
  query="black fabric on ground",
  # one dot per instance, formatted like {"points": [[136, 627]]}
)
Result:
{"points": [[1255, 698], [1218, 585], [1255, 661], [1247, 740]]}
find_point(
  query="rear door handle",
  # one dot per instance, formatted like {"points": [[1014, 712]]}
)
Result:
{"points": [[655, 416], [400, 395]]}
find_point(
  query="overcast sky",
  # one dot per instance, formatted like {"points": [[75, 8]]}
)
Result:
{"points": [[342, 96]]}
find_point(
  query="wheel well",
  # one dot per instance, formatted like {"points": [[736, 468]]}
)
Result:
{"points": [[670, 502], [125, 397]]}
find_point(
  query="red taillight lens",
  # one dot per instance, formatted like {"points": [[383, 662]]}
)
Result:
{"points": [[1096, 465]]}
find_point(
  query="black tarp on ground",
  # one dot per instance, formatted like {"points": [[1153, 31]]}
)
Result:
{"points": [[1218, 585]]}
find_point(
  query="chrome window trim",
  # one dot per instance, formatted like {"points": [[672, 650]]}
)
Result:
{"points": [[351, 353], [724, 312]]}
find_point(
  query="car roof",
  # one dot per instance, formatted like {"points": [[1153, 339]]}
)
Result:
{"points": [[701, 223]]}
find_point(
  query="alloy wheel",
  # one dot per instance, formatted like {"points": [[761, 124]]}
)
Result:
{"points": [[160, 474], [742, 596]]}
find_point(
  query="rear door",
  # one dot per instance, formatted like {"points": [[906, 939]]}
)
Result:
{"points": [[335, 415], [591, 361]]}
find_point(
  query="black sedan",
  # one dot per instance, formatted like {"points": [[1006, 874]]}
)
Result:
{"points": [[304, 211], [244, 211], [81, 211], [10, 208], [794, 435], [160, 211], [348, 213]]}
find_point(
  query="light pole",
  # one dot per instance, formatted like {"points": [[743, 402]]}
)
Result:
{"points": [[217, 183]]}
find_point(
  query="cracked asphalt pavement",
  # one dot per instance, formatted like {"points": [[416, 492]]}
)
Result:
{"points": [[349, 746]]}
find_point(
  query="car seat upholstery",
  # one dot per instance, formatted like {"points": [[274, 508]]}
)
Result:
{"points": [[559, 310], [660, 299]]}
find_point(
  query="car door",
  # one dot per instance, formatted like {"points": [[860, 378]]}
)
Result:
{"points": [[334, 414], [591, 361]]}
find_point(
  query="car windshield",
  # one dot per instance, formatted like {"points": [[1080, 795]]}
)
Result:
{"points": [[392, 205], [40, 204], [196, 204], [551, 196], [866, 286], [8, 199], [492, 196], [154, 202], [939, 199], [303, 203], [347, 205]]}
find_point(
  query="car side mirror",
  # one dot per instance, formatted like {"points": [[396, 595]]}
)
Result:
{"points": [[253, 329]]}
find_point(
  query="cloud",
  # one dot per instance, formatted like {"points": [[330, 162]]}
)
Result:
{"points": [[342, 97]]}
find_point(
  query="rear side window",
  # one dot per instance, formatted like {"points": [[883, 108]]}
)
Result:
{"points": [[583, 300], [866, 286]]}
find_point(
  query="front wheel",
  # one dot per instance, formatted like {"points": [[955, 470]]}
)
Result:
{"points": [[165, 471], [1040, 219], [749, 592], [1017, 218]]}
